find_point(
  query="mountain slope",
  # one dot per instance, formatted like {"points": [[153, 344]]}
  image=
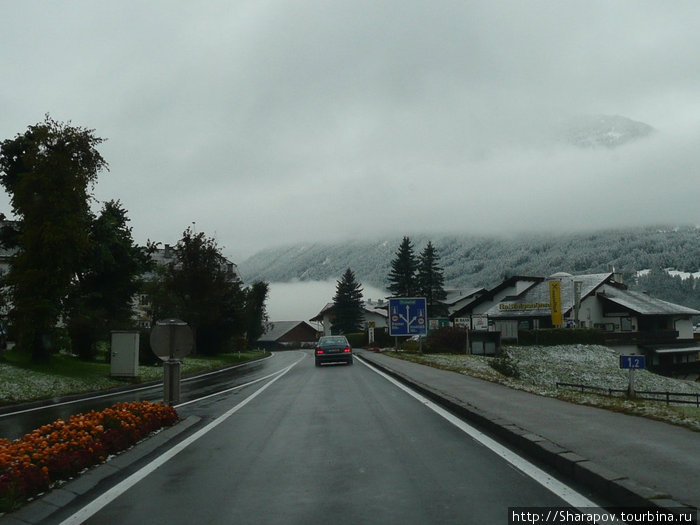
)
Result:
{"points": [[484, 261], [607, 131]]}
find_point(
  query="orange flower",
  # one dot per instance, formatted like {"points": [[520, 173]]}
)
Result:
{"points": [[26, 464]]}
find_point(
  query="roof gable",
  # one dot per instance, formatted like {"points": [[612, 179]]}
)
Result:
{"points": [[644, 304], [369, 307], [535, 300], [278, 329]]}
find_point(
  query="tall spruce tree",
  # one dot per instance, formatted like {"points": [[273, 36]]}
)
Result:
{"points": [[348, 316], [402, 276], [101, 293], [256, 317], [431, 280]]}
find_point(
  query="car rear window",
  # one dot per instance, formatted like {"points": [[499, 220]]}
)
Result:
{"points": [[333, 341]]}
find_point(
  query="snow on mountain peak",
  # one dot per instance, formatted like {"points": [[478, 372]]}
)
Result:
{"points": [[608, 131]]}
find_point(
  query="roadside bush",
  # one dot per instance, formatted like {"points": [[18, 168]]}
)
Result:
{"points": [[382, 338], [357, 340], [411, 346], [361, 339], [505, 364], [448, 340]]}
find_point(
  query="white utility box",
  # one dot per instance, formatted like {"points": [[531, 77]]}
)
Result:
{"points": [[125, 354]]}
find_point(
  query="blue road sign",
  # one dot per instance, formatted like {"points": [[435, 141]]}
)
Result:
{"points": [[408, 316], [634, 362]]}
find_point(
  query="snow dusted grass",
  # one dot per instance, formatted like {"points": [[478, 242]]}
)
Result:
{"points": [[539, 368], [65, 375], [587, 365], [19, 385]]}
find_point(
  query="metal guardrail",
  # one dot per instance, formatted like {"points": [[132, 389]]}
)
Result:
{"points": [[667, 397]]}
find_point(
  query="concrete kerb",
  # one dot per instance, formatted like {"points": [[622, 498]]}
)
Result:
{"points": [[42, 508], [619, 489]]}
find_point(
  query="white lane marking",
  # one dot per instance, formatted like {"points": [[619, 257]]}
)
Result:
{"points": [[552, 484], [137, 389], [104, 499], [219, 392]]}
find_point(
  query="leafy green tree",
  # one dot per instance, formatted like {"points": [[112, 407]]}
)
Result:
{"points": [[208, 293], [431, 280], [402, 276], [101, 296], [8, 242], [48, 172], [348, 315], [256, 318]]}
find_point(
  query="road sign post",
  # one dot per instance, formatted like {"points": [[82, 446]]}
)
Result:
{"points": [[171, 340], [632, 363], [408, 316]]}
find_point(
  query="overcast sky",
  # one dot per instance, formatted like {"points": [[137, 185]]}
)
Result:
{"points": [[275, 122]]}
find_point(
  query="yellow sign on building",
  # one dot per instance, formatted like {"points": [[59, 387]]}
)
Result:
{"points": [[555, 302]]}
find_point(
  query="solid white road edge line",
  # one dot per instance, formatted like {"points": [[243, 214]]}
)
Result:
{"points": [[552, 484], [116, 491], [237, 387]]}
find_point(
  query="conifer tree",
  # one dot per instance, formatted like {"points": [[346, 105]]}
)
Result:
{"points": [[402, 277], [348, 316], [431, 280]]}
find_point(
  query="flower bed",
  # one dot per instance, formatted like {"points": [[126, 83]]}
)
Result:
{"points": [[62, 449]]}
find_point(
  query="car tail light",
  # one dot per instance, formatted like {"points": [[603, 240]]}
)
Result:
{"points": [[319, 351], [347, 349]]}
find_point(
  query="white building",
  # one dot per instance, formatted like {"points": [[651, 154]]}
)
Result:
{"points": [[374, 312], [631, 320]]}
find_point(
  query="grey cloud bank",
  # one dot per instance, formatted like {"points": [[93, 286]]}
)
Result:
{"points": [[269, 123]]}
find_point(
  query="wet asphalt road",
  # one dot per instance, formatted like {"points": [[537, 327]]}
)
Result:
{"points": [[336, 444]]}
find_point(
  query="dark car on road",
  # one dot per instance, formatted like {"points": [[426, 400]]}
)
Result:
{"points": [[333, 348]]}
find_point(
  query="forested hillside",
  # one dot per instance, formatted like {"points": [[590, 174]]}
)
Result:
{"points": [[485, 261]]}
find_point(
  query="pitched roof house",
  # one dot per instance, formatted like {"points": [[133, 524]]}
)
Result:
{"points": [[631, 320], [374, 312], [280, 334]]}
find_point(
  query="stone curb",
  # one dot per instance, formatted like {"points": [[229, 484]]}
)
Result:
{"points": [[621, 490], [42, 508]]}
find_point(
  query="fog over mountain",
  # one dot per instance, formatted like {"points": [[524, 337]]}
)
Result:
{"points": [[293, 122], [603, 131], [477, 261]]}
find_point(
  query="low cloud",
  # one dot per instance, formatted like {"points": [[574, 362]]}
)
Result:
{"points": [[278, 122]]}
